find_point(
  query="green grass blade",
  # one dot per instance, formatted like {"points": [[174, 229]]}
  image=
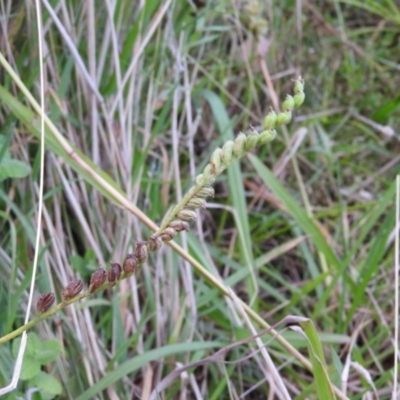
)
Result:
{"points": [[299, 214], [139, 361]]}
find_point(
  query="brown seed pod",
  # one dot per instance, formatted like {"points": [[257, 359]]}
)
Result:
{"points": [[114, 273], [154, 243], [130, 264], [45, 301], [179, 226], [97, 279], [141, 253], [167, 234], [72, 289]]}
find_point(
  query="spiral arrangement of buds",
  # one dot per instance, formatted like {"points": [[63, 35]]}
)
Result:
{"points": [[184, 212]]}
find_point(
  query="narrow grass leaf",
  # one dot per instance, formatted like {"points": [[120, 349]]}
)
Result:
{"points": [[138, 362]]}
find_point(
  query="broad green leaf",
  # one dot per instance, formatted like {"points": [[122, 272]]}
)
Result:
{"points": [[30, 368], [10, 168], [48, 351], [47, 383], [32, 345]]}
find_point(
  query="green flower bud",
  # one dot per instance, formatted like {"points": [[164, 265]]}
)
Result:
{"points": [[208, 171], [283, 118], [97, 279], [45, 301], [216, 160], [179, 226], [288, 104], [238, 146], [196, 202], [206, 191], [251, 140], [167, 234], [186, 215], [299, 99], [298, 85], [270, 120], [266, 136], [199, 179], [226, 156]]}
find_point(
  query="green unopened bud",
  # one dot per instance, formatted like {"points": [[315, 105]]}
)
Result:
{"points": [[298, 85], [196, 202], [141, 252], [283, 118], [299, 99], [167, 234], [206, 191], [208, 171], [270, 120], [45, 301], [130, 264], [266, 136], [215, 160], [186, 215], [154, 243], [179, 226], [199, 179], [251, 140], [238, 146], [226, 156], [288, 104], [97, 279]]}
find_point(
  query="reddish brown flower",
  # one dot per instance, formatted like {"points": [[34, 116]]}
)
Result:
{"points": [[72, 289], [45, 301], [130, 264], [154, 243], [97, 279], [141, 252], [114, 273]]}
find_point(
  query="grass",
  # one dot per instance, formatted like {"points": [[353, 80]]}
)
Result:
{"points": [[303, 226]]}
